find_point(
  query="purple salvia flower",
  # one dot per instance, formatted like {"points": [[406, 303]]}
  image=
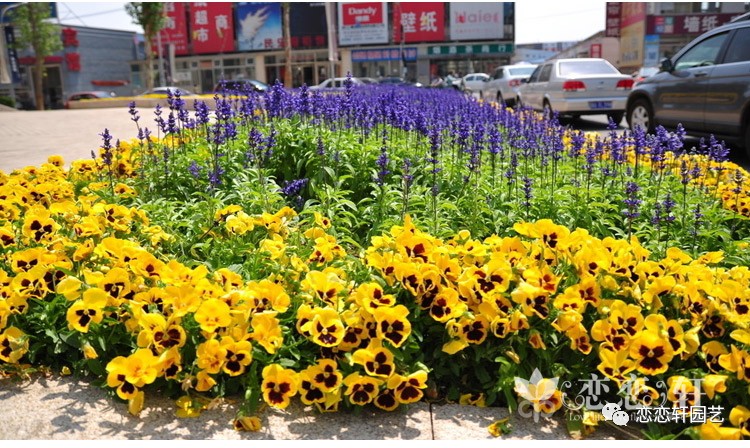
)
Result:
{"points": [[201, 112], [107, 147], [382, 163], [133, 112], [631, 200], [527, 194], [194, 169], [669, 205]]}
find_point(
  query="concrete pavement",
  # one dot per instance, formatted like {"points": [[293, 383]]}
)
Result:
{"points": [[67, 408], [29, 137], [64, 408]]}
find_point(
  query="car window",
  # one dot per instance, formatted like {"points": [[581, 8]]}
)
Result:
{"points": [[703, 53], [739, 48], [535, 75], [498, 73], [546, 72], [584, 67], [521, 71]]}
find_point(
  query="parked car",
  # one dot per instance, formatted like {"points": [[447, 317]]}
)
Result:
{"points": [[704, 87], [474, 82], [89, 95], [644, 72], [505, 81], [240, 86], [336, 84], [575, 87], [162, 91], [396, 81]]}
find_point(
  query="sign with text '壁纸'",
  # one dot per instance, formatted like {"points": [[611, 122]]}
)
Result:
{"points": [[363, 23], [420, 22], [469, 21]]}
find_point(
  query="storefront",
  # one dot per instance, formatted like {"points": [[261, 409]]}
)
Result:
{"points": [[414, 40], [91, 59]]}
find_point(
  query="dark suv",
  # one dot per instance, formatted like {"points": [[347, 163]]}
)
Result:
{"points": [[705, 86], [240, 86]]}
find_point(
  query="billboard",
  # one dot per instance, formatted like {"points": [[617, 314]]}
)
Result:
{"points": [[632, 31], [476, 21], [420, 22], [259, 26], [613, 19], [175, 29], [363, 23], [686, 23], [211, 27], [308, 25]]}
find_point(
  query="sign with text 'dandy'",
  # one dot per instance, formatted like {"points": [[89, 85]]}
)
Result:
{"points": [[363, 23]]}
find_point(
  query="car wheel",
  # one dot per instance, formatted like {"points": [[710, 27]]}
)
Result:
{"points": [[617, 117], [499, 98], [547, 110], [641, 115]]}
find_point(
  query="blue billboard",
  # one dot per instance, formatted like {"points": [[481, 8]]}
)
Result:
{"points": [[258, 26]]}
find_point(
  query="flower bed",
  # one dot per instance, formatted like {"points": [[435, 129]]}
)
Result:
{"points": [[381, 247]]}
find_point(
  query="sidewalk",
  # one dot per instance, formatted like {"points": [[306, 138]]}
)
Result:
{"points": [[29, 137], [65, 408], [69, 409]]}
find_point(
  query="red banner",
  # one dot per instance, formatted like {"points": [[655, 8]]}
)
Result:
{"points": [[686, 23], [420, 22], [211, 27], [612, 26], [175, 29], [632, 12]]}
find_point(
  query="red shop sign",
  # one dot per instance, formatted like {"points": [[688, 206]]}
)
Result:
{"points": [[174, 30], [421, 22], [211, 27]]}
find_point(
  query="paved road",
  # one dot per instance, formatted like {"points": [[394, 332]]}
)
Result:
{"points": [[29, 137]]}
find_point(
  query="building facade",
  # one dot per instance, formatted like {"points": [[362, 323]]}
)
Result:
{"points": [[91, 59], [207, 42], [651, 31]]}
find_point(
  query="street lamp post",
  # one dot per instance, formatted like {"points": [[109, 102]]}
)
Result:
{"points": [[5, 45]]}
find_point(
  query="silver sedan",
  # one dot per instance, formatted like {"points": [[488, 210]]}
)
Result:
{"points": [[574, 87]]}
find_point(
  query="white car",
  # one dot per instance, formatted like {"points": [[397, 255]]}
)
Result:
{"points": [[474, 82], [336, 84], [575, 87], [505, 82]]}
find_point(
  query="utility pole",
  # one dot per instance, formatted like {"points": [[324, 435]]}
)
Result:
{"points": [[331, 25]]}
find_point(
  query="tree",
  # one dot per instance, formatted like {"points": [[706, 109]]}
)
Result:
{"points": [[150, 16], [42, 36], [287, 47]]}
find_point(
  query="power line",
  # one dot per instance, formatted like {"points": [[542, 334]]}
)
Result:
{"points": [[100, 13], [74, 14]]}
